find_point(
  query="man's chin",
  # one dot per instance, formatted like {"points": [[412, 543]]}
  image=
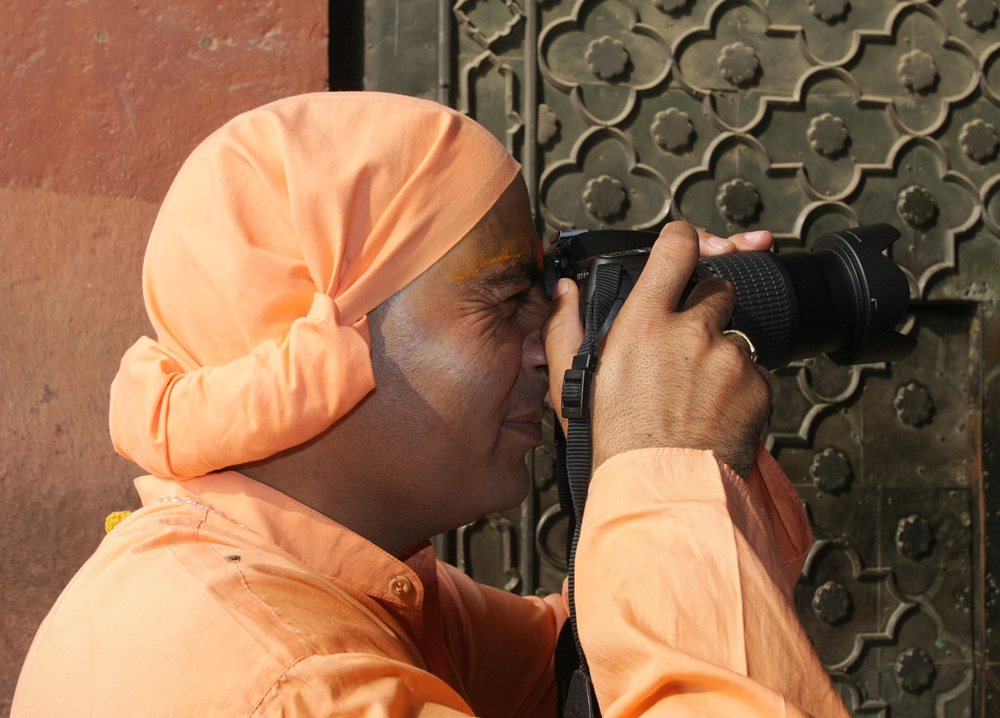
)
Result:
{"points": [[511, 488], [501, 483]]}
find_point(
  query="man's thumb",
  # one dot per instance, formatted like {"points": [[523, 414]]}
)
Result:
{"points": [[562, 335], [666, 275]]}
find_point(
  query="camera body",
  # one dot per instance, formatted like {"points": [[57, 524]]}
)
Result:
{"points": [[843, 299]]}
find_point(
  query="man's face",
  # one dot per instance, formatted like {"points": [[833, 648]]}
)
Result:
{"points": [[460, 370]]}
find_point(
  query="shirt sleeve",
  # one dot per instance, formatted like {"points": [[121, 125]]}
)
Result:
{"points": [[683, 597], [777, 500]]}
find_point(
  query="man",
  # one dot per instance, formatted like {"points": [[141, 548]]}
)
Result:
{"points": [[349, 360]]}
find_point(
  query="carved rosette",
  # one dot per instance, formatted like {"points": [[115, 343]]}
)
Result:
{"points": [[671, 6], [831, 603], [917, 70], [977, 13], [607, 57], [672, 129], [828, 10], [914, 670], [979, 140], [604, 196], [548, 124], [916, 205], [624, 52], [738, 63], [738, 199], [827, 134], [913, 404], [914, 537], [830, 470]]}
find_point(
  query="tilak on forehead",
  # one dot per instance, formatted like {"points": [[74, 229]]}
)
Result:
{"points": [[509, 234], [501, 256]]}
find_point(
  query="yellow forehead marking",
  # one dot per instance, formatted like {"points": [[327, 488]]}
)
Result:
{"points": [[507, 255]]}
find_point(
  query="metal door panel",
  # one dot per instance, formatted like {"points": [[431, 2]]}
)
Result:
{"points": [[799, 116]]}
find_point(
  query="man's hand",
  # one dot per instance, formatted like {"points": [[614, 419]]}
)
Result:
{"points": [[668, 377]]}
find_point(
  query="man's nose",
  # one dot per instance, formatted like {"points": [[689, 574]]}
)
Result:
{"points": [[533, 356]]}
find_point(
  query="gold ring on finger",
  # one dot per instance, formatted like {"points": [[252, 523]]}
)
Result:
{"points": [[744, 337]]}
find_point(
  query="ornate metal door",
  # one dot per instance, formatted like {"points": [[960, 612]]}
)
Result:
{"points": [[797, 116]]}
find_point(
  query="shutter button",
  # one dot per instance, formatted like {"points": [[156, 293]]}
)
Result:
{"points": [[400, 585]]}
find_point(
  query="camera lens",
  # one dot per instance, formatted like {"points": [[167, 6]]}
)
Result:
{"points": [[843, 299]]}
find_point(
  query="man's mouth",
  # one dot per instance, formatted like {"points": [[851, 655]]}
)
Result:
{"points": [[527, 424]]}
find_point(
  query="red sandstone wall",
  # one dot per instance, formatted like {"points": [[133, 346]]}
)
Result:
{"points": [[100, 101]]}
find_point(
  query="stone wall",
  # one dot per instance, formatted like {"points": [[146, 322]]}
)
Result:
{"points": [[100, 101]]}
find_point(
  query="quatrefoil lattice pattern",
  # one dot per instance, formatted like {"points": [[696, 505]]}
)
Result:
{"points": [[834, 93]]}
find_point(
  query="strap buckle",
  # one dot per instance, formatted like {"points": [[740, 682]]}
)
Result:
{"points": [[576, 387]]}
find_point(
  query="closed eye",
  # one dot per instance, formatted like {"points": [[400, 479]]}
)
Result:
{"points": [[530, 300], [512, 278], [510, 305]]}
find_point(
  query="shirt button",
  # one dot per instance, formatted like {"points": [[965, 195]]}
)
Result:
{"points": [[400, 585]]}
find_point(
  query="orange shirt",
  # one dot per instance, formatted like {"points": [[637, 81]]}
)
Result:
{"points": [[224, 597]]}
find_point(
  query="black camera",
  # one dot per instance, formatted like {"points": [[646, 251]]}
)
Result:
{"points": [[843, 299]]}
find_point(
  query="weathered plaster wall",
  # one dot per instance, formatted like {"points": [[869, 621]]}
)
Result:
{"points": [[100, 101]]}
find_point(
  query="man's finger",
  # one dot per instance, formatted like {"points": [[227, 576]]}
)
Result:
{"points": [[757, 241], [562, 335], [742, 344], [712, 245], [668, 271], [712, 299]]}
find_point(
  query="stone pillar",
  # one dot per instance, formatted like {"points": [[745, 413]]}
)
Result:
{"points": [[100, 102]]}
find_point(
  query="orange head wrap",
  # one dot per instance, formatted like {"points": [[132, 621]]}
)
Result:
{"points": [[280, 233]]}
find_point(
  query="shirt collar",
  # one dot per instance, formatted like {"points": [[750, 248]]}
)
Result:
{"points": [[317, 541]]}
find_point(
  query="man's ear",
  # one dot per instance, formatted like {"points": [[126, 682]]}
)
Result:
{"points": [[376, 320]]}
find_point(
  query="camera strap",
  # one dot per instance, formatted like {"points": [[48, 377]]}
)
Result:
{"points": [[573, 464]]}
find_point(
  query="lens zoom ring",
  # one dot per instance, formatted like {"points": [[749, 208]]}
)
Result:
{"points": [[762, 309]]}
